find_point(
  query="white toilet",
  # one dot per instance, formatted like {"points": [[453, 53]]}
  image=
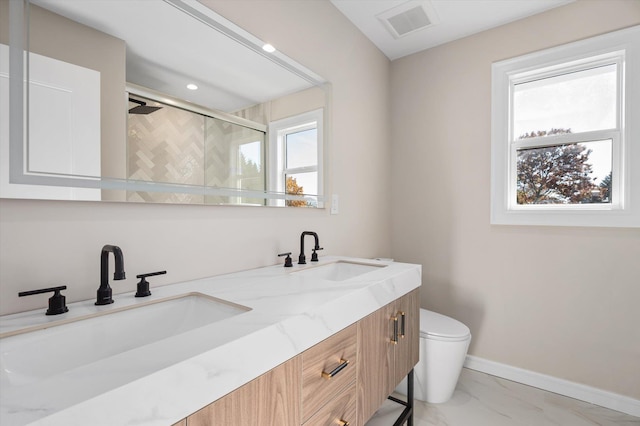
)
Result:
{"points": [[443, 347]]}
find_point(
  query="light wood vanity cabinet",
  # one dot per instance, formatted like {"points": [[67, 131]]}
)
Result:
{"points": [[385, 354], [365, 367]]}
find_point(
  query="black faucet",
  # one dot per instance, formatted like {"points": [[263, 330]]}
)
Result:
{"points": [[302, 260], [104, 292]]}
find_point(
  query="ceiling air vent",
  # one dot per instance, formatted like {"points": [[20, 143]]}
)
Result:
{"points": [[408, 18]]}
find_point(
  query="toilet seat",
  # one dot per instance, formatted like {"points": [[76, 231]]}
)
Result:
{"points": [[440, 327]]}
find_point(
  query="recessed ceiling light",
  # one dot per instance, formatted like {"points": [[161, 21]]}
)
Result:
{"points": [[268, 48], [192, 86]]}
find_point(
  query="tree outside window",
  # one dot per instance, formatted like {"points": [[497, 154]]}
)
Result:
{"points": [[559, 174]]}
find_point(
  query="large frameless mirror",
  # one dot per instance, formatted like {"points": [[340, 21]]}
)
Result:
{"points": [[154, 101]]}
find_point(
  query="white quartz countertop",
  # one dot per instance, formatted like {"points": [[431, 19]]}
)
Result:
{"points": [[289, 313]]}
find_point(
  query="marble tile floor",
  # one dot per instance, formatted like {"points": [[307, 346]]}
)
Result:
{"points": [[484, 400]]}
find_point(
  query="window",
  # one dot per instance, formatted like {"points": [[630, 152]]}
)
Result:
{"points": [[565, 135], [296, 159], [565, 124]]}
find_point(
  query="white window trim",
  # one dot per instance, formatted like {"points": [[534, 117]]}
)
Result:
{"points": [[625, 213], [277, 130]]}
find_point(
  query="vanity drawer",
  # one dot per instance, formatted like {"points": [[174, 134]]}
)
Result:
{"points": [[340, 411], [327, 369]]}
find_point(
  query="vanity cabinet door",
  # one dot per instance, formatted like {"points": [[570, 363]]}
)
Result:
{"points": [[385, 357], [406, 351], [375, 357], [271, 399]]}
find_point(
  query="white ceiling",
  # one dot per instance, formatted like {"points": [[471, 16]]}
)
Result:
{"points": [[457, 19]]}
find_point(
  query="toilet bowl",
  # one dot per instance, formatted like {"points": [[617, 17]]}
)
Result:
{"points": [[443, 348]]}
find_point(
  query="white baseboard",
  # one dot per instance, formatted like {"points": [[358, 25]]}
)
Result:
{"points": [[574, 390]]}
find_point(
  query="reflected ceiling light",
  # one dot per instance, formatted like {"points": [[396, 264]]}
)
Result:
{"points": [[192, 86], [268, 48]]}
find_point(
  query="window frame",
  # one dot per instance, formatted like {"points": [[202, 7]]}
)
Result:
{"points": [[620, 47], [278, 130]]}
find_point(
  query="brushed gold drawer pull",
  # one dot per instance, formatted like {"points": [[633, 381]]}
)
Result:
{"points": [[343, 422], [339, 368], [394, 338], [402, 324]]}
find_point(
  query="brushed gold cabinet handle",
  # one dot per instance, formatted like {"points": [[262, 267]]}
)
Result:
{"points": [[339, 368], [394, 338], [402, 324], [343, 422]]}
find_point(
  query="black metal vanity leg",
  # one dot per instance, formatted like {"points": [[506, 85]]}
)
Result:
{"points": [[410, 397], [406, 417]]}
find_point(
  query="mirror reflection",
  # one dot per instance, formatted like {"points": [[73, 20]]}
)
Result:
{"points": [[174, 145], [188, 109]]}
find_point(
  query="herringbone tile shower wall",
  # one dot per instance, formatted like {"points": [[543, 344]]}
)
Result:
{"points": [[172, 145], [166, 146]]}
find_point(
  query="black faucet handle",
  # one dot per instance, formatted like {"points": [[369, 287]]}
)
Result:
{"points": [[151, 274], [314, 255], [288, 263], [143, 285], [57, 302]]}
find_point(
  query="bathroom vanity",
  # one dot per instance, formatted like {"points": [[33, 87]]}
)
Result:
{"points": [[293, 346]]}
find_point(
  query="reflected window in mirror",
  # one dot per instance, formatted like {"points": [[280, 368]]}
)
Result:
{"points": [[295, 157]]}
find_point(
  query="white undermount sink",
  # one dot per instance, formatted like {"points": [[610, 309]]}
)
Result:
{"points": [[340, 271], [36, 355]]}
